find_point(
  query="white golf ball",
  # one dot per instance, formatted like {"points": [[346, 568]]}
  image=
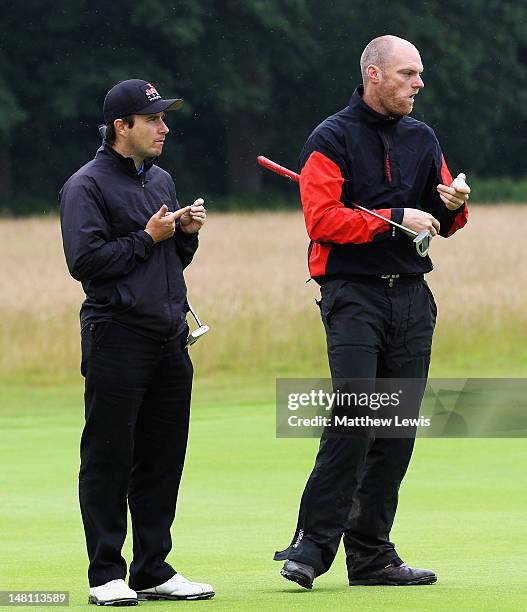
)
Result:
{"points": [[459, 183]]}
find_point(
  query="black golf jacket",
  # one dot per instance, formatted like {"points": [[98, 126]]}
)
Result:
{"points": [[104, 208], [387, 164]]}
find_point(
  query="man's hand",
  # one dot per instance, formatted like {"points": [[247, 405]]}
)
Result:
{"points": [[419, 220], [162, 224], [457, 194], [194, 218]]}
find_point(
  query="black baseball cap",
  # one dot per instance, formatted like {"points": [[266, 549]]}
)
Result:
{"points": [[135, 97]]}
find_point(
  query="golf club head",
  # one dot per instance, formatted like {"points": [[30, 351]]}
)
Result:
{"points": [[196, 335], [422, 243]]}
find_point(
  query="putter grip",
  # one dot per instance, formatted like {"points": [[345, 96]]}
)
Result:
{"points": [[274, 167]]}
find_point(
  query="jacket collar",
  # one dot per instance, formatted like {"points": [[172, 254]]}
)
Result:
{"points": [[366, 112], [126, 164]]}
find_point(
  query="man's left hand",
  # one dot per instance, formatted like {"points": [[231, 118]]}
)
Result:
{"points": [[456, 195], [193, 220]]}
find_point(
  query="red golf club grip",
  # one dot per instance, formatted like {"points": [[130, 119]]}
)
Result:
{"points": [[274, 167]]}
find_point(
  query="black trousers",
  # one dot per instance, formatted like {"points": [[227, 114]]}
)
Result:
{"points": [[137, 407], [375, 329]]}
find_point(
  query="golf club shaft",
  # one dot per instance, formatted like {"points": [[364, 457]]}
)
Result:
{"points": [[407, 230], [293, 176], [196, 318]]}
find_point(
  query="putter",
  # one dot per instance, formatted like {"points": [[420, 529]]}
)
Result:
{"points": [[421, 239], [197, 333]]}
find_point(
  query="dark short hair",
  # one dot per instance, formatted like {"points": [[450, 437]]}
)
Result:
{"points": [[110, 128]]}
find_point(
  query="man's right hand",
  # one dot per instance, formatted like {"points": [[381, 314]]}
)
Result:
{"points": [[162, 224], [419, 220]]}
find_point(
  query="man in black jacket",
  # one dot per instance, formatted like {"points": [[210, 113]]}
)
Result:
{"points": [[127, 240], [378, 312]]}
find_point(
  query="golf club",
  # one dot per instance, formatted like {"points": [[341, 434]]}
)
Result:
{"points": [[421, 239], [197, 333]]}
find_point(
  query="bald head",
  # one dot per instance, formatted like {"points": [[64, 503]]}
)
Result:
{"points": [[391, 70], [381, 52]]}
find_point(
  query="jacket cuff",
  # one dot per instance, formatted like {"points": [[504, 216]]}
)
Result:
{"points": [[189, 238], [397, 215], [453, 213], [144, 245]]}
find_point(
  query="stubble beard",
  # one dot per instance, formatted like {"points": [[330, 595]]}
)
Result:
{"points": [[400, 107], [395, 105]]}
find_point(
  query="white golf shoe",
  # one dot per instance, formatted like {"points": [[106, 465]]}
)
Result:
{"points": [[178, 587], [113, 593]]}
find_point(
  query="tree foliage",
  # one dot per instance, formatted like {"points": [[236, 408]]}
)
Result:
{"points": [[256, 75]]}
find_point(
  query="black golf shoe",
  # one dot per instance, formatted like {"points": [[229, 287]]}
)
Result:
{"points": [[298, 572], [395, 575]]}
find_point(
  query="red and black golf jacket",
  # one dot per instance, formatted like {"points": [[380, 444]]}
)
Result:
{"points": [[360, 156]]}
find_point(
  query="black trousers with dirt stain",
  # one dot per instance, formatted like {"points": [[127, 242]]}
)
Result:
{"points": [[137, 407], [375, 328]]}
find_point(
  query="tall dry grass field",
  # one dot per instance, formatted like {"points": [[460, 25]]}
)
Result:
{"points": [[248, 283]]}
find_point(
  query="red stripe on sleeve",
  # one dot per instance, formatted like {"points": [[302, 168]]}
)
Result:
{"points": [[446, 177], [318, 259], [461, 218], [326, 217]]}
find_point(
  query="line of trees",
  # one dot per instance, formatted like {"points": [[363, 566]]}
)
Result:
{"points": [[256, 75]]}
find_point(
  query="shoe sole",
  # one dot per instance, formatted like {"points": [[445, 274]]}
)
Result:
{"points": [[157, 597], [112, 602], [300, 579], [377, 582]]}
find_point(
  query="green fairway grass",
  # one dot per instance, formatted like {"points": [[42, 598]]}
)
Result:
{"points": [[462, 511]]}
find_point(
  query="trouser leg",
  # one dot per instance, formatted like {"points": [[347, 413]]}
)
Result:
{"points": [[353, 336], [326, 502], [159, 455], [367, 537], [117, 370]]}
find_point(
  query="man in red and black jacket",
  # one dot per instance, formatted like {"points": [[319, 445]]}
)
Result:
{"points": [[378, 311]]}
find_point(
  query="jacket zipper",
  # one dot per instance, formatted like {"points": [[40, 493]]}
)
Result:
{"points": [[388, 165], [387, 160], [170, 314]]}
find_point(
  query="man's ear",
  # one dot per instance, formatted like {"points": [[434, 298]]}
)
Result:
{"points": [[374, 73], [120, 127]]}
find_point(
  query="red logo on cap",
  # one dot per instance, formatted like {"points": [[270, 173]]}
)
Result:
{"points": [[152, 93]]}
